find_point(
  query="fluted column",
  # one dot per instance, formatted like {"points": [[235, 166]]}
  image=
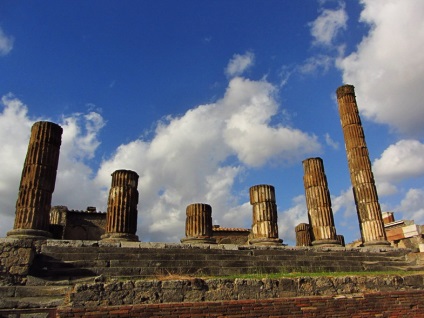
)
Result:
{"points": [[303, 235], [341, 240], [264, 227], [38, 181], [198, 228], [121, 217], [364, 190], [318, 203]]}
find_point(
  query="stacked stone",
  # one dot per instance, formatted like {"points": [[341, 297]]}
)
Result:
{"points": [[341, 240], [303, 235], [318, 202], [38, 181], [264, 227], [198, 228], [121, 217], [364, 190]]}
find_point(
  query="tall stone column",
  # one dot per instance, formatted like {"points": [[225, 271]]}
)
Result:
{"points": [[264, 227], [364, 190], [318, 203], [198, 228], [38, 182], [303, 235], [121, 217]]}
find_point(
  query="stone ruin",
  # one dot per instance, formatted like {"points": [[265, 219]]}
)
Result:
{"points": [[33, 217], [95, 261]]}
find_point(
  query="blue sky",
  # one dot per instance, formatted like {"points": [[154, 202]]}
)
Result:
{"points": [[204, 99]]}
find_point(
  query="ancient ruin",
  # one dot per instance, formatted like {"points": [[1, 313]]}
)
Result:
{"points": [[318, 202], [303, 234], [121, 217], [66, 224], [362, 178], [37, 181], [264, 226], [76, 274], [198, 229]]}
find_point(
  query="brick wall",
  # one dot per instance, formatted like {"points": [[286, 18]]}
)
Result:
{"points": [[383, 304]]}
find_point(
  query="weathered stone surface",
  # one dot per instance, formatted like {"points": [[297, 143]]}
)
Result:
{"points": [[16, 257], [198, 229], [264, 225], [303, 235], [37, 181], [318, 202], [195, 290], [121, 218], [364, 190]]}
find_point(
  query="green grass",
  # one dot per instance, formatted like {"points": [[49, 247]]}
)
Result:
{"points": [[316, 274]]}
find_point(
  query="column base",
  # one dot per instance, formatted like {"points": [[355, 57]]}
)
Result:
{"points": [[376, 244], [326, 243], [266, 241], [118, 237], [29, 234], [198, 240]]}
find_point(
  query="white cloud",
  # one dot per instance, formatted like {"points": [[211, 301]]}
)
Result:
{"points": [[315, 64], [344, 202], [14, 136], [192, 158], [328, 25], [412, 206], [239, 63], [74, 184], [402, 160], [330, 142], [387, 69], [290, 218], [6, 43]]}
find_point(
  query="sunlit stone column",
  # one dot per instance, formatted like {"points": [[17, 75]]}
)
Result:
{"points": [[198, 228], [264, 227], [121, 217], [303, 235], [364, 190], [318, 203], [38, 181]]}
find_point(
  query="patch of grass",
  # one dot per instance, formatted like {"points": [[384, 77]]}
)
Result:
{"points": [[318, 274]]}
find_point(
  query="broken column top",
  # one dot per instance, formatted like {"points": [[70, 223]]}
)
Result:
{"points": [[345, 90]]}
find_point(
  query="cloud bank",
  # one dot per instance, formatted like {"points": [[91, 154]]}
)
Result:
{"points": [[197, 157], [387, 69]]}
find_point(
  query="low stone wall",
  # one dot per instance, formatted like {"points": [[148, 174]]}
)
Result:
{"points": [[382, 304], [16, 258], [129, 292]]}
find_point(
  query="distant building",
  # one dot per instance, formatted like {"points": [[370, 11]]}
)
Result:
{"points": [[403, 233], [230, 235], [77, 225]]}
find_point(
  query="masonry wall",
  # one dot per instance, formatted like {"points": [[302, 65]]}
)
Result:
{"points": [[381, 304]]}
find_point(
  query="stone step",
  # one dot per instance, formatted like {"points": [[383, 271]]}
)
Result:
{"points": [[73, 262], [31, 302], [33, 291], [209, 257], [28, 313]]}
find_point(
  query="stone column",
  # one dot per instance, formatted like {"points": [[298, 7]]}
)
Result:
{"points": [[303, 235], [198, 228], [121, 217], [341, 240], [318, 203], [38, 182], [264, 227], [364, 190]]}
